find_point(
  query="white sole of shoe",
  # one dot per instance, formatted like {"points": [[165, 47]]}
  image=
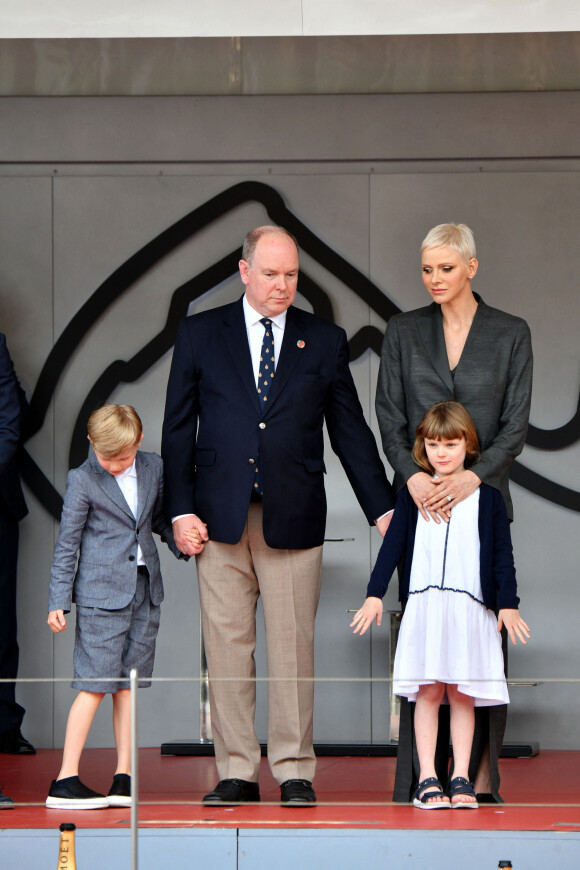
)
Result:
{"points": [[435, 805], [117, 800], [56, 803]]}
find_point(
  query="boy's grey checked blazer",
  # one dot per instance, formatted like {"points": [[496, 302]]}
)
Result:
{"points": [[97, 524]]}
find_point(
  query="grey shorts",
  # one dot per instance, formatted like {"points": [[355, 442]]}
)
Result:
{"points": [[110, 643]]}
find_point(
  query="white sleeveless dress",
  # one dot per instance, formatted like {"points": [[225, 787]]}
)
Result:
{"points": [[447, 634]]}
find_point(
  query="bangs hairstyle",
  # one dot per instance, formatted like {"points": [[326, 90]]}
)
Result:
{"points": [[113, 429], [445, 421], [458, 237], [254, 237]]}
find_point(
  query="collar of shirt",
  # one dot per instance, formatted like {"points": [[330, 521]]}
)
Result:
{"points": [[129, 472], [255, 332], [252, 317]]}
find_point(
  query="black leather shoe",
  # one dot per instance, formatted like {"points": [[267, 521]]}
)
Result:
{"points": [[6, 803], [232, 791], [120, 792], [13, 743], [297, 793]]}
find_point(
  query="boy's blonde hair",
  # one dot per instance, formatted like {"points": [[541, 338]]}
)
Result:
{"points": [[113, 429], [445, 421]]}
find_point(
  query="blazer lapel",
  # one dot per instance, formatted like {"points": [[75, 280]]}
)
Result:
{"points": [[470, 348], [110, 486], [430, 327], [236, 340], [143, 483]]}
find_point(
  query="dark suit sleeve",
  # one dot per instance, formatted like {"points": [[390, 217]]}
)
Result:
{"points": [[391, 404], [353, 441], [503, 559], [160, 524], [180, 428], [9, 408], [515, 412], [392, 548]]}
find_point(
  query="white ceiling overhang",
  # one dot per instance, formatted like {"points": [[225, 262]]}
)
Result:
{"points": [[37, 19]]}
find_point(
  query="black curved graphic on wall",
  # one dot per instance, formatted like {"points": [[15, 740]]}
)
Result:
{"points": [[127, 371]]}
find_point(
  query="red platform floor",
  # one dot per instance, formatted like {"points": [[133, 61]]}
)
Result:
{"points": [[541, 794]]}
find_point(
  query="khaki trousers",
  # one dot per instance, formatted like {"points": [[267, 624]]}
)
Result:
{"points": [[231, 578]]}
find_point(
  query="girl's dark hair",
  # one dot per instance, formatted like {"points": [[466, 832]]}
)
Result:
{"points": [[445, 421]]}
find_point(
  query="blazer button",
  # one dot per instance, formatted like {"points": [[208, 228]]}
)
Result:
{"points": [[262, 425], [131, 558], [251, 461]]}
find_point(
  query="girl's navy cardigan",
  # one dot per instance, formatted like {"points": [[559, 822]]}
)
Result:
{"points": [[498, 574]]}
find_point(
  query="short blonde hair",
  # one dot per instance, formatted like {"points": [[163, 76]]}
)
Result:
{"points": [[445, 421], [113, 429], [458, 237]]}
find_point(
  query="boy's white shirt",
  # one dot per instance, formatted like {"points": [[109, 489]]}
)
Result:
{"points": [[127, 482]]}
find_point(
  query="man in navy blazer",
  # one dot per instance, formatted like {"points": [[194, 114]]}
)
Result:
{"points": [[13, 407], [244, 465]]}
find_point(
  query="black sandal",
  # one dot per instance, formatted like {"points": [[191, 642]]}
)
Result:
{"points": [[422, 802], [459, 785]]}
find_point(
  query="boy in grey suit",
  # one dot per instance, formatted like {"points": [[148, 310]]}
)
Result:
{"points": [[113, 503]]}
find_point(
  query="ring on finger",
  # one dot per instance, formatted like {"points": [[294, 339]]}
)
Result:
{"points": [[449, 498]]}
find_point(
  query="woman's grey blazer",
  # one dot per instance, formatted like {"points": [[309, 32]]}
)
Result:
{"points": [[493, 379], [97, 523]]}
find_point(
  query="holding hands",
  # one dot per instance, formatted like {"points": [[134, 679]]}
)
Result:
{"points": [[514, 624], [193, 535], [190, 533], [372, 609]]}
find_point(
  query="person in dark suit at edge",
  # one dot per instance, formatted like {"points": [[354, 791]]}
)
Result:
{"points": [[13, 409], [250, 387], [456, 348]]}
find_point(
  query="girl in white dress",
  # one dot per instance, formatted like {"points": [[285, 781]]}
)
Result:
{"points": [[456, 575]]}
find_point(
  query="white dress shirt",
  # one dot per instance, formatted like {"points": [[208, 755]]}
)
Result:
{"points": [[127, 482], [255, 333]]}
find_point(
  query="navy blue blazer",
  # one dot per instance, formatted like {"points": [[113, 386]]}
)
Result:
{"points": [[13, 410], [497, 571], [214, 429]]}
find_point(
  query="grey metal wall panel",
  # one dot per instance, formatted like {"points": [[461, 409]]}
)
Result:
{"points": [[381, 127], [65, 228]]}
